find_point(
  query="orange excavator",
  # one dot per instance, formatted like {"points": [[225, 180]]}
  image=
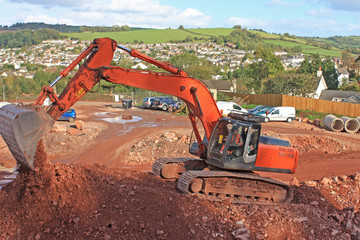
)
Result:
{"points": [[226, 157]]}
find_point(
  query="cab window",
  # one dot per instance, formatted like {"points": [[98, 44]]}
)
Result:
{"points": [[219, 138], [237, 107], [238, 139], [254, 141]]}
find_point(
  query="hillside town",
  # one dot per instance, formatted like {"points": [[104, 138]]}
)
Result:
{"points": [[54, 54]]}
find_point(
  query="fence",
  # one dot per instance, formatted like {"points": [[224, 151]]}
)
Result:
{"points": [[302, 103]]}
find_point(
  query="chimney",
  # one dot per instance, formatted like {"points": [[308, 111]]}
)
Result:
{"points": [[319, 72]]}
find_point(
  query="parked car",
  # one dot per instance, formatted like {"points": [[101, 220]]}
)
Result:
{"points": [[258, 109], [279, 114], [148, 102], [262, 111], [165, 103], [69, 115], [230, 107]]}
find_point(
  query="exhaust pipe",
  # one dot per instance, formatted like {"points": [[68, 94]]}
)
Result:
{"points": [[22, 127]]}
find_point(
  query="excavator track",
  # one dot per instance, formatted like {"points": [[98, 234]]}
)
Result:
{"points": [[241, 188], [176, 166]]}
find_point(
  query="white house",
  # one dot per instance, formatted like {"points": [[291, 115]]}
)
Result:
{"points": [[321, 84], [139, 65], [343, 76]]}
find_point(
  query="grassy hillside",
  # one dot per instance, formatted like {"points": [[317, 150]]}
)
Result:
{"points": [[306, 49], [152, 35], [166, 35]]}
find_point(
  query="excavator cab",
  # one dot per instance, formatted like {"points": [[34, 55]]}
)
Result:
{"points": [[234, 144]]}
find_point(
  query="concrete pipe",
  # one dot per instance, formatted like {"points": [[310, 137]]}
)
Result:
{"points": [[333, 123], [351, 125], [358, 119]]}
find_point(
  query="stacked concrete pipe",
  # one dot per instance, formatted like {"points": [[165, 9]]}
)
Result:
{"points": [[358, 119], [351, 125], [333, 123]]}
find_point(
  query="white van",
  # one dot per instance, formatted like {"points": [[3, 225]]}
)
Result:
{"points": [[230, 107], [279, 114], [3, 104]]}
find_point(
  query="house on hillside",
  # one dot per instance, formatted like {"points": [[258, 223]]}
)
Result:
{"points": [[215, 86], [293, 61], [139, 65], [320, 86], [340, 96], [343, 76]]}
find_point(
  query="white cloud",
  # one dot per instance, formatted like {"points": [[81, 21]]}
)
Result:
{"points": [[51, 3], [322, 13], [46, 19], [139, 13], [247, 22], [282, 3], [299, 27], [346, 5]]}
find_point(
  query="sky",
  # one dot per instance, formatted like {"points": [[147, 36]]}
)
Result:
{"points": [[316, 18]]}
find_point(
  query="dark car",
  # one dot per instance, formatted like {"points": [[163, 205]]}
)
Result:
{"points": [[69, 115], [258, 109], [165, 103], [148, 102]]}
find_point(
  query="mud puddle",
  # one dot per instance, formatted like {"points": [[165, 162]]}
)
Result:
{"points": [[122, 119]]}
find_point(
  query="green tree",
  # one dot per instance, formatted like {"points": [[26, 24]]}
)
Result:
{"points": [[197, 67], [291, 83], [355, 86], [8, 67], [330, 74], [267, 64], [312, 64], [43, 78]]}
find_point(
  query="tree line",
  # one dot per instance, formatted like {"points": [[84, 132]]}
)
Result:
{"points": [[27, 37], [115, 28], [40, 25]]}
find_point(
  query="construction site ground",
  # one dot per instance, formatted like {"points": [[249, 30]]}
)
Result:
{"points": [[93, 181]]}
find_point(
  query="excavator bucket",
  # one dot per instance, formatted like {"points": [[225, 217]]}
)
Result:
{"points": [[22, 127]]}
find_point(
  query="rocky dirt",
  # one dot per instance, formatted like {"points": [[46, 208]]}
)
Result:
{"points": [[99, 186]]}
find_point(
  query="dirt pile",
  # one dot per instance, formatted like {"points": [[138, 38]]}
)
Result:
{"points": [[169, 144], [69, 137], [317, 144], [93, 202], [325, 209], [63, 201]]}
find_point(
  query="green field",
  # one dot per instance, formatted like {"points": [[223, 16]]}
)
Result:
{"points": [[306, 49], [151, 35], [166, 35]]}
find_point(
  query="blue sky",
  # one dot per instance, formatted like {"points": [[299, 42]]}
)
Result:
{"points": [[321, 18]]}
